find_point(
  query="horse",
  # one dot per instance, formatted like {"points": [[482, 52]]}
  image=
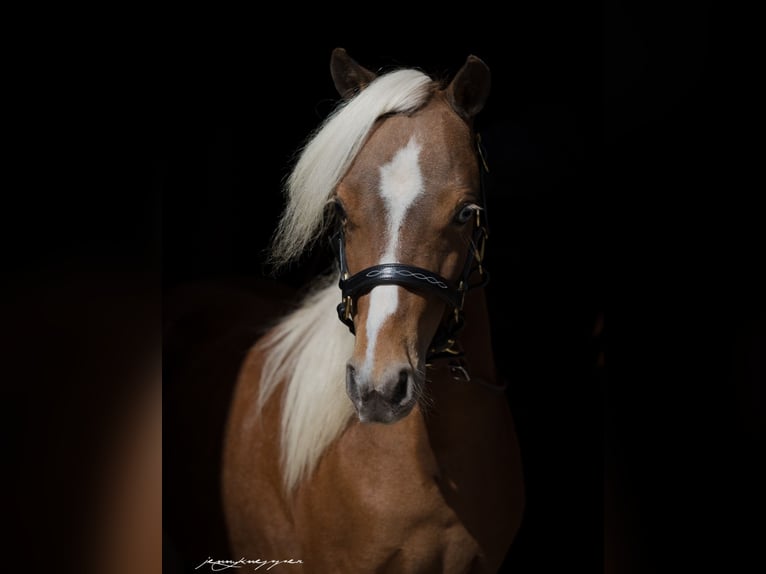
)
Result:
{"points": [[368, 430]]}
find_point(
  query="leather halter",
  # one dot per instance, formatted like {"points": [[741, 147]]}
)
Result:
{"points": [[444, 343]]}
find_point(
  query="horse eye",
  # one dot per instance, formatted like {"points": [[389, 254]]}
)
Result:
{"points": [[340, 211], [465, 214]]}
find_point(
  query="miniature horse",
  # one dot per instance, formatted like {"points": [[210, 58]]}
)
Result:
{"points": [[380, 442]]}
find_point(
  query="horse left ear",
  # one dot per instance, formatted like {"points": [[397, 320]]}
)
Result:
{"points": [[469, 89], [348, 75]]}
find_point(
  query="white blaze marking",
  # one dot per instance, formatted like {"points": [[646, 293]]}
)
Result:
{"points": [[401, 182]]}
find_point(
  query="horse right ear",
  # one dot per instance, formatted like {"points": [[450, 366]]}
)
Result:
{"points": [[348, 75]]}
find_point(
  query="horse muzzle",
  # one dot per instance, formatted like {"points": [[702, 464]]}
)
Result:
{"points": [[388, 399]]}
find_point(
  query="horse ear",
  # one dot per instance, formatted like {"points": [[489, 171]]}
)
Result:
{"points": [[469, 89], [349, 77]]}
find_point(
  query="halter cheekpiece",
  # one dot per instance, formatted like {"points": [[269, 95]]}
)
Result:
{"points": [[444, 343]]}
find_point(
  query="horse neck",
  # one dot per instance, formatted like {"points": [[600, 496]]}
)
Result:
{"points": [[461, 414]]}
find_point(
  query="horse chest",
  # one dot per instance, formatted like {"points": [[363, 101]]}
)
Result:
{"points": [[381, 500]]}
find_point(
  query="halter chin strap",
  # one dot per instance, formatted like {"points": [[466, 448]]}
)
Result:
{"points": [[444, 343]]}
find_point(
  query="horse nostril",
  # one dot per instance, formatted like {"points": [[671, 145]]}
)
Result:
{"points": [[351, 387], [402, 385]]}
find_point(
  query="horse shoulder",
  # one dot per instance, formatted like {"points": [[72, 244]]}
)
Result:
{"points": [[480, 464], [258, 519]]}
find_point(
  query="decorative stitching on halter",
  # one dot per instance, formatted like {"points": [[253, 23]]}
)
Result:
{"points": [[407, 273]]}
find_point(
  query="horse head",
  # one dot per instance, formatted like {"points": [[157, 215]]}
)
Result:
{"points": [[409, 210]]}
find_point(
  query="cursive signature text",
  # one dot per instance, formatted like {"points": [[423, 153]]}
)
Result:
{"points": [[258, 563]]}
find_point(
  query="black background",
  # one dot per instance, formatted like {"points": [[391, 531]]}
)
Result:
{"points": [[620, 139]]}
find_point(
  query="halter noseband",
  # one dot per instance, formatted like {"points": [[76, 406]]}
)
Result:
{"points": [[422, 280]]}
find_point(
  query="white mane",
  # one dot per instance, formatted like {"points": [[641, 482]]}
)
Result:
{"points": [[309, 348]]}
